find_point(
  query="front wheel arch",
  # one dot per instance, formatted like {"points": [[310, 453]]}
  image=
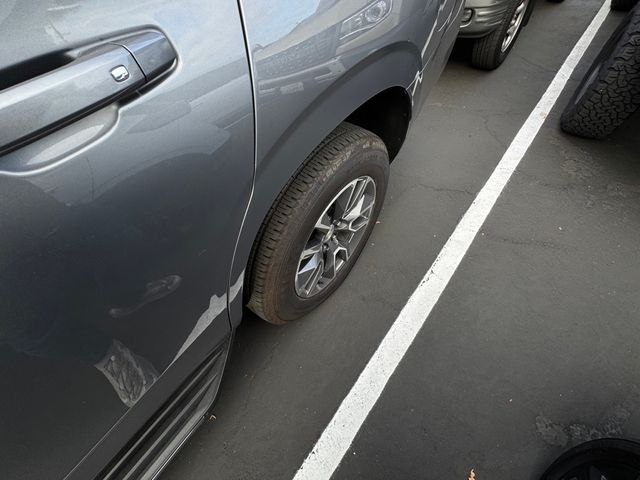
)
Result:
{"points": [[393, 67]]}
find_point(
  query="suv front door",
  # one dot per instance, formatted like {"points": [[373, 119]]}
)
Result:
{"points": [[126, 165]]}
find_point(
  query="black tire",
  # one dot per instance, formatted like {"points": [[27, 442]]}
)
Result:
{"points": [[487, 53], [348, 153], [623, 5], [610, 90], [578, 461]]}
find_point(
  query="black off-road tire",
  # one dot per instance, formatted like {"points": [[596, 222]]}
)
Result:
{"points": [[623, 5], [486, 53], [346, 154], [610, 90], [577, 461]]}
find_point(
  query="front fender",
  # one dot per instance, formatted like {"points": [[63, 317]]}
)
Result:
{"points": [[394, 66], [308, 77]]}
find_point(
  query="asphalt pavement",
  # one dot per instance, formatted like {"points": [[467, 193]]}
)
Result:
{"points": [[533, 346]]}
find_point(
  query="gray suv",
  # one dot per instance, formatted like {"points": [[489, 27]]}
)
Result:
{"points": [[163, 165]]}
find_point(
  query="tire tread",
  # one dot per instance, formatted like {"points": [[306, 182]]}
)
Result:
{"points": [[614, 94]]}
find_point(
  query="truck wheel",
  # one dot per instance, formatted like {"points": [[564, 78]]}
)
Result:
{"points": [[489, 52], [623, 5], [601, 458], [318, 226], [610, 90]]}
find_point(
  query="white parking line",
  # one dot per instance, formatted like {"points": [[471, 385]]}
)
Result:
{"points": [[334, 442]]}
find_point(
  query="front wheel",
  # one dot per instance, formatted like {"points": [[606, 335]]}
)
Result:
{"points": [[489, 52], [319, 225]]}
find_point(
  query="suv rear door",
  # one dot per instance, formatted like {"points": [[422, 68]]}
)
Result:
{"points": [[126, 164]]}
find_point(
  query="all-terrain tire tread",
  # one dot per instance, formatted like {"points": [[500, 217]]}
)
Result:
{"points": [[615, 92]]}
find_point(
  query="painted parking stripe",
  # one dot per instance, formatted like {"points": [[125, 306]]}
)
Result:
{"points": [[334, 442]]}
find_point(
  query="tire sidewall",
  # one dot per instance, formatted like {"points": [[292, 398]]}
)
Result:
{"points": [[361, 158]]}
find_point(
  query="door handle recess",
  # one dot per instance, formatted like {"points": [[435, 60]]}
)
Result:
{"points": [[94, 79]]}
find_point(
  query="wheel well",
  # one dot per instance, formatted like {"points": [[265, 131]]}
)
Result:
{"points": [[387, 114]]}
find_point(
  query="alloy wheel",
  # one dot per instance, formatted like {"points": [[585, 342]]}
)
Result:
{"points": [[514, 25], [336, 235]]}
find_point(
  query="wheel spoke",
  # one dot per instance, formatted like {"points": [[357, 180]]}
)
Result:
{"points": [[358, 194], [360, 204], [366, 211], [324, 223], [343, 202], [330, 264], [313, 247], [355, 211], [312, 284], [309, 275], [356, 222], [344, 246]]}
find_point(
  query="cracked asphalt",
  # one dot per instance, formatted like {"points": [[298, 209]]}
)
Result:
{"points": [[532, 348]]}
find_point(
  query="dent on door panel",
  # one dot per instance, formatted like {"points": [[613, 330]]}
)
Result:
{"points": [[117, 233]]}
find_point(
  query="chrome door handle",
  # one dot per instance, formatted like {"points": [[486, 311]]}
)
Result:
{"points": [[95, 78]]}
